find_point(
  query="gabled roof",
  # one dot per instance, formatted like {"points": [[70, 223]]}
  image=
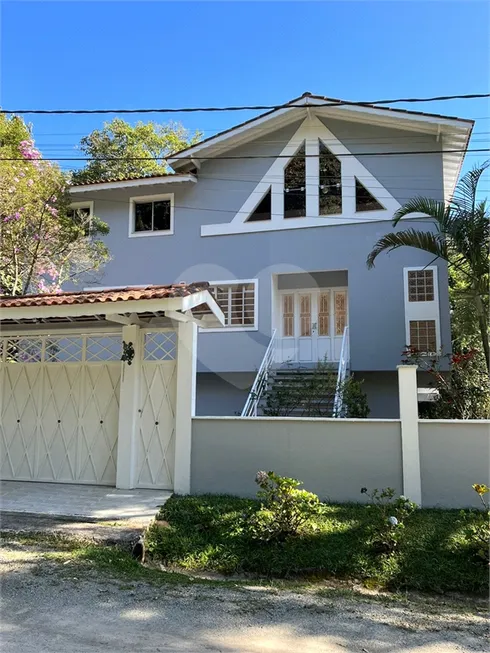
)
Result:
{"points": [[454, 132]]}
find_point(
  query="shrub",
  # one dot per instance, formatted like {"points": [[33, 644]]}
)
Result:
{"points": [[477, 525], [387, 516], [355, 399], [285, 509]]}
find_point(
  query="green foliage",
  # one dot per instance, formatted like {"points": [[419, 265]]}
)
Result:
{"points": [[312, 394], [355, 399], [120, 150], [462, 238], [42, 243], [477, 525], [387, 516], [463, 392], [285, 509], [206, 533]]}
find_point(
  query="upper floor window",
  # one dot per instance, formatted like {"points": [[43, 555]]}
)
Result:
{"points": [[295, 186], [330, 192], [365, 201], [421, 285], [151, 215], [238, 301]]}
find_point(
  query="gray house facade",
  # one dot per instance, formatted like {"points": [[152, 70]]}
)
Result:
{"points": [[279, 215]]}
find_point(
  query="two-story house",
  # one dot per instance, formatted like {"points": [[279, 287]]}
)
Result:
{"points": [[279, 213]]}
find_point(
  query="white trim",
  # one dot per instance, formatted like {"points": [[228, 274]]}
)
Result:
{"points": [[314, 419], [134, 183], [311, 132], [146, 199], [234, 329], [415, 311], [268, 121]]}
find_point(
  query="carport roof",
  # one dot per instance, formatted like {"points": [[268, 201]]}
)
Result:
{"points": [[129, 305]]}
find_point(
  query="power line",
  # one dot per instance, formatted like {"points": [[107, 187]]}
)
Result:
{"points": [[257, 107], [249, 156]]}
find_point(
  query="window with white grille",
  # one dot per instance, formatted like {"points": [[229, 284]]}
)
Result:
{"points": [[423, 336], [238, 303], [421, 285]]}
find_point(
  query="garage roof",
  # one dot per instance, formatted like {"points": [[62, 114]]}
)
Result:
{"points": [[190, 301]]}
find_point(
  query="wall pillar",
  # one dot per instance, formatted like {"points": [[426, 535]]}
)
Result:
{"points": [[407, 389], [129, 400], [185, 404]]}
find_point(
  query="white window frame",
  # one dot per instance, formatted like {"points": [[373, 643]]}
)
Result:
{"points": [[415, 311], [144, 199], [235, 329], [88, 204]]}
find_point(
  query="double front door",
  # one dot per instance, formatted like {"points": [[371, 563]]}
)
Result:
{"points": [[312, 324]]}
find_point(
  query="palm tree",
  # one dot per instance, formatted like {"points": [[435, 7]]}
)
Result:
{"points": [[461, 237]]}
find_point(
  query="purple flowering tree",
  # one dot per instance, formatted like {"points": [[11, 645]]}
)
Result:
{"points": [[43, 243]]}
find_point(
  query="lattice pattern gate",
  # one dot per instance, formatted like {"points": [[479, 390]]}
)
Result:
{"points": [[156, 434], [59, 408]]}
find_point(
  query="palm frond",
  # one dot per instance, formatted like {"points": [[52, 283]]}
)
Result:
{"points": [[464, 198], [433, 243], [434, 209]]}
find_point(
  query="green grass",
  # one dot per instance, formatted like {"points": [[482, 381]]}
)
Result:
{"points": [[205, 534]]}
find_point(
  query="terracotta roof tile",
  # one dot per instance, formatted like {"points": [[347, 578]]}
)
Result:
{"points": [[105, 296], [110, 180]]}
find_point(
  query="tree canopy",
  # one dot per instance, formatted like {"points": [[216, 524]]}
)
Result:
{"points": [[120, 150], [43, 243]]}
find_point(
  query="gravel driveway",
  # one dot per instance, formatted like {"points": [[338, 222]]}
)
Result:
{"points": [[51, 607]]}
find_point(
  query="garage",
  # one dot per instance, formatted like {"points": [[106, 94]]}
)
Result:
{"points": [[99, 387]]}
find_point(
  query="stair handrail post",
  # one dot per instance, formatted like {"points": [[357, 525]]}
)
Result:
{"points": [[338, 405], [251, 405]]}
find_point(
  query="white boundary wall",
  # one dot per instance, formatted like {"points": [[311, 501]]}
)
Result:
{"points": [[433, 462]]}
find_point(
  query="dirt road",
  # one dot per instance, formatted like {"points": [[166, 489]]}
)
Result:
{"points": [[54, 607]]}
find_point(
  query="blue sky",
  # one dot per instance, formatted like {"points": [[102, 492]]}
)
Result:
{"points": [[137, 54]]}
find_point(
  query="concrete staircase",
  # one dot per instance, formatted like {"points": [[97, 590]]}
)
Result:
{"points": [[299, 392]]}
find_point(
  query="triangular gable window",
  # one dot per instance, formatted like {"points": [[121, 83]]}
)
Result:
{"points": [[295, 186], [263, 209], [330, 191], [365, 201]]}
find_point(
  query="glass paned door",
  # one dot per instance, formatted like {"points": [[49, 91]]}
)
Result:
{"points": [[312, 324]]}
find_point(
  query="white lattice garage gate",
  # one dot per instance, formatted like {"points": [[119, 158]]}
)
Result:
{"points": [[110, 405]]}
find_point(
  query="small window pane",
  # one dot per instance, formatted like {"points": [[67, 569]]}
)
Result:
{"points": [[263, 210], [305, 315], [423, 336], [420, 285], [340, 312], [295, 186], [288, 316], [330, 192], [142, 215], [365, 201], [324, 314], [161, 215]]}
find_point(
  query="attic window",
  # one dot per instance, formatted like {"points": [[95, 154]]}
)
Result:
{"points": [[330, 192], [295, 186], [364, 200], [263, 209]]}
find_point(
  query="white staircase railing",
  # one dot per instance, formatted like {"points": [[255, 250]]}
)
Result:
{"points": [[338, 404], [260, 383]]}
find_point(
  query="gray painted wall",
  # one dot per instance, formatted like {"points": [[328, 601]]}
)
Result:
{"points": [[222, 394], [334, 458], [376, 308], [453, 456]]}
